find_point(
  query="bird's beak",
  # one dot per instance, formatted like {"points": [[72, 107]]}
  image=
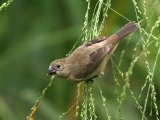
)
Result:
{"points": [[51, 71]]}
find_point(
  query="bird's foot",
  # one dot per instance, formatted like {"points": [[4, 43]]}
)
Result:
{"points": [[91, 80]]}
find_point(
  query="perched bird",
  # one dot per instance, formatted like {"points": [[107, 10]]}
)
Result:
{"points": [[89, 60]]}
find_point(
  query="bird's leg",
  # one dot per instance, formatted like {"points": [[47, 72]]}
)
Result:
{"points": [[91, 80]]}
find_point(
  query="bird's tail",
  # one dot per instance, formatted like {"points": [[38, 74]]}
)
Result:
{"points": [[124, 31], [127, 29]]}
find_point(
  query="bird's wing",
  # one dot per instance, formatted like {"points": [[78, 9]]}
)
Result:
{"points": [[96, 40], [95, 58]]}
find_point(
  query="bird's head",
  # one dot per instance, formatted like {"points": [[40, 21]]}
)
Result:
{"points": [[58, 67]]}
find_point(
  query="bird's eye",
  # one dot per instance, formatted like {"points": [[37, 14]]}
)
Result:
{"points": [[58, 66]]}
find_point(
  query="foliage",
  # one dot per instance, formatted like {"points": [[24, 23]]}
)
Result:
{"points": [[33, 31]]}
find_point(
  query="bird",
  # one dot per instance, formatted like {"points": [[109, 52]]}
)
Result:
{"points": [[88, 61]]}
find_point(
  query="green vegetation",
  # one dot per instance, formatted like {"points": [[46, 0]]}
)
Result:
{"points": [[33, 33]]}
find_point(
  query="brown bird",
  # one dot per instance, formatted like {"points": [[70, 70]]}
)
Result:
{"points": [[89, 60]]}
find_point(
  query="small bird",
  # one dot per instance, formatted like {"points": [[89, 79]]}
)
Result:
{"points": [[89, 60]]}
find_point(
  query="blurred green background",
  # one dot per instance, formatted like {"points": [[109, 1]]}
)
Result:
{"points": [[32, 34]]}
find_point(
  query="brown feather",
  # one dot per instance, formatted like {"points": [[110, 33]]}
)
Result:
{"points": [[89, 60]]}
